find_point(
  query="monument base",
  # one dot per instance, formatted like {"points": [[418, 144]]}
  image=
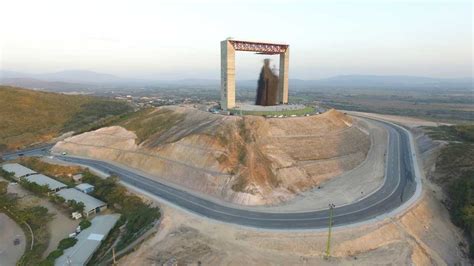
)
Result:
{"points": [[282, 109]]}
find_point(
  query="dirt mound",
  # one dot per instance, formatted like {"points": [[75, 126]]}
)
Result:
{"points": [[246, 160]]}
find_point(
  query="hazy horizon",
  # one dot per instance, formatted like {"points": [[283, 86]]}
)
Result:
{"points": [[180, 39]]}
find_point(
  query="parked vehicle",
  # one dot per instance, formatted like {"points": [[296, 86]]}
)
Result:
{"points": [[76, 215]]}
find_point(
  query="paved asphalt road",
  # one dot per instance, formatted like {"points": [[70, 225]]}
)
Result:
{"points": [[35, 151], [399, 186]]}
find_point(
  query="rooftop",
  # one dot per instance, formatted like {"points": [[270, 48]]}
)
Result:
{"points": [[88, 241], [90, 203], [18, 169], [45, 180], [84, 186]]}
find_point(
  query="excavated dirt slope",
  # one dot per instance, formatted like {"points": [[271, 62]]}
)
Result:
{"points": [[245, 160]]}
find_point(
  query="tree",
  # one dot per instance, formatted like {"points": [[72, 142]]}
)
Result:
{"points": [[76, 206], [468, 218], [3, 187]]}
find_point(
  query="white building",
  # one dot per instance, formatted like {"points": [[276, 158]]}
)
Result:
{"points": [[91, 204], [85, 188], [18, 170], [43, 180]]}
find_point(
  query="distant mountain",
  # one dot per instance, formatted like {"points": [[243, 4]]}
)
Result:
{"points": [[79, 76], [188, 82], [41, 84], [4, 74], [82, 79], [372, 81]]}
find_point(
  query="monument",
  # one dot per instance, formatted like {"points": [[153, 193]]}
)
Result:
{"points": [[228, 48]]}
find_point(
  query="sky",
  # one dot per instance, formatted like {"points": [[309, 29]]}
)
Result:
{"points": [[181, 39]]}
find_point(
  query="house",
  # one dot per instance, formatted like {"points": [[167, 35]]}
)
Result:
{"points": [[18, 170], [91, 204], [85, 188], [43, 180]]}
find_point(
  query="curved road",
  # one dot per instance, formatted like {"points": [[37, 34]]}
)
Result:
{"points": [[399, 186]]}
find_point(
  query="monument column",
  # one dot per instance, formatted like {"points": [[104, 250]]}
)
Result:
{"points": [[227, 75], [283, 76]]}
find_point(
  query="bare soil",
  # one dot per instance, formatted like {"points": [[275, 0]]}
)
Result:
{"points": [[423, 235], [249, 161]]}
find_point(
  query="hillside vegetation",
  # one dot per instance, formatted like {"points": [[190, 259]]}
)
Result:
{"points": [[149, 121], [455, 172], [28, 117]]}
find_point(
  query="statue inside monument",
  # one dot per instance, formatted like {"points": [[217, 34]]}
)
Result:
{"points": [[267, 86]]}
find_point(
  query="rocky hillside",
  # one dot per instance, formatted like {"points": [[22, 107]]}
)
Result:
{"points": [[246, 160]]}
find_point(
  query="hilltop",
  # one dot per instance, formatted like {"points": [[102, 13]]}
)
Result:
{"points": [[248, 160], [29, 117]]}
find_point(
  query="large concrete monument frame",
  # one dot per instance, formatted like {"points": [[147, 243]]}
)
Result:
{"points": [[228, 48]]}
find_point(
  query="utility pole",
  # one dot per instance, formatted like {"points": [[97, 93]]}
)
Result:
{"points": [[113, 256], [328, 245]]}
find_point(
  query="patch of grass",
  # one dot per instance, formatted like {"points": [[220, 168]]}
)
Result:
{"points": [[306, 110], [92, 112], [60, 172], [463, 133], [49, 261], [7, 175], [55, 254], [150, 121]]}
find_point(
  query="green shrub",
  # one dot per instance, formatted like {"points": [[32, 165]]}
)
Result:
{"points": [[84, 224], [35, 188], [455, 165], [47, 262], [67, 243], [76, 206], [55, 254], [7, 175]]}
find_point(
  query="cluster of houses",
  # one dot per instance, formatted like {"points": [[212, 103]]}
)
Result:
{"points": [[89, 239], [79, 193]]}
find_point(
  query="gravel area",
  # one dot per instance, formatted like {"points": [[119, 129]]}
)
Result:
{"points": [[10, 252]]}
